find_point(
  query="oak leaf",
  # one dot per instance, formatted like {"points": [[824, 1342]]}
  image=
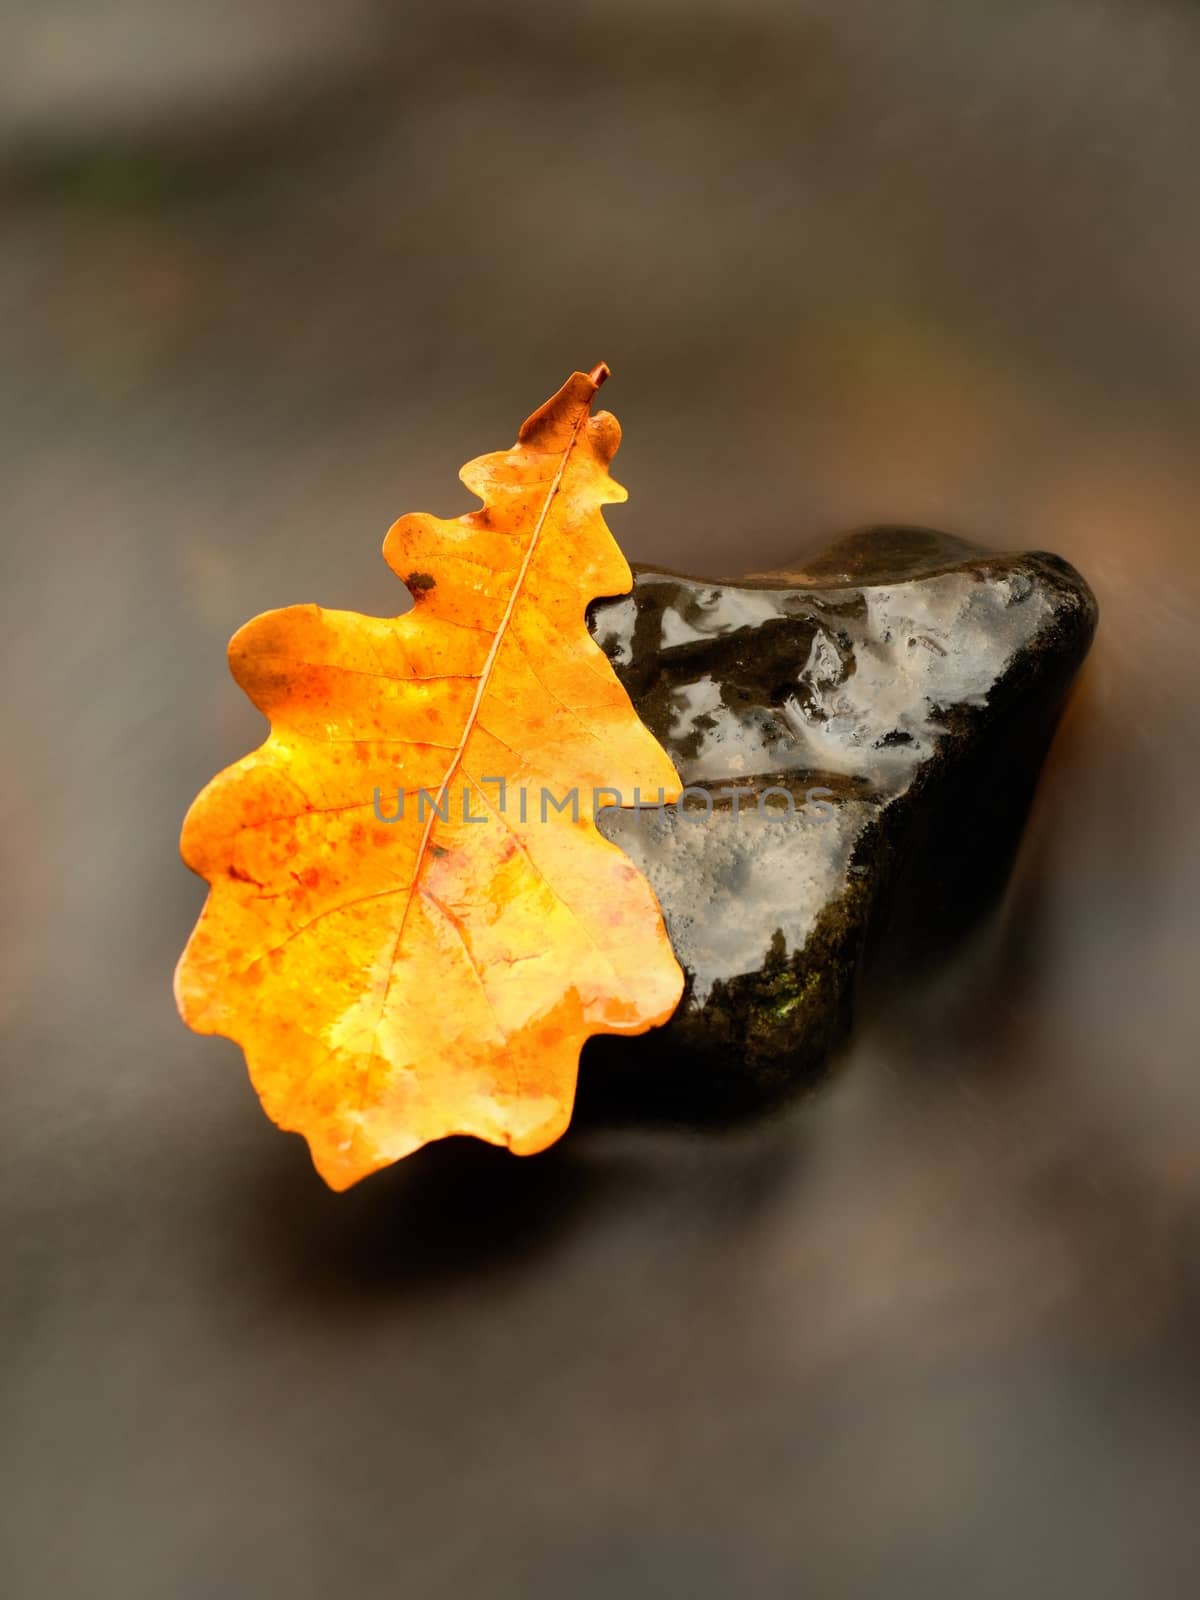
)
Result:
{"points": [[392, 978]]}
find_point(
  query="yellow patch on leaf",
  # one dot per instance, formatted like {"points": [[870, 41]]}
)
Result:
{"points": [[396, 981]]}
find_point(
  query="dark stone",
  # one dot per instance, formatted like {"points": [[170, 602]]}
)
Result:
{"points": [[897, 696]]}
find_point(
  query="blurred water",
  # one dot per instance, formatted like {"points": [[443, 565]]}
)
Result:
{"points": [[266, 280]]}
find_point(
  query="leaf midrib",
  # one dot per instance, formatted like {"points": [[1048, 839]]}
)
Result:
{"points": [[485, 676]]}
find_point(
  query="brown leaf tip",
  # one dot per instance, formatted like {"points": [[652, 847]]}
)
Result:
{"points": [[553, 425]]}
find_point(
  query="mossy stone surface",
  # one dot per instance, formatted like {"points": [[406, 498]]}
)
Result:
{"points": [[860, 739]]}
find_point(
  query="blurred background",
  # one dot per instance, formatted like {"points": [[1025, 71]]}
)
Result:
{"points": [[269, 273]]}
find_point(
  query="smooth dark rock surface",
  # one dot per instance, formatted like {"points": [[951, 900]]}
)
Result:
{"points": [[860, 740]]}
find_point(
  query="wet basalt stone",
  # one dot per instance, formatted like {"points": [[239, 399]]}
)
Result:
{"points": [[860, 739]]}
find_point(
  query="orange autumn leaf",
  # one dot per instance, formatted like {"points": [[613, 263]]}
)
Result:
{"points": [[396, 981]]}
